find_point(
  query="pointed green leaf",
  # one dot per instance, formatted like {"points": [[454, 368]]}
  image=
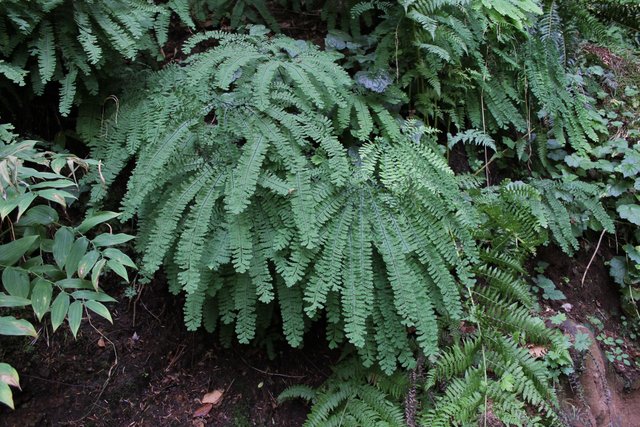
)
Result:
{"points": [[25, 202], [108, 239], [76, 253], [86, 263], [95, 273], [62, 243], [92, 295], [117, 255], [9, 204], [8, 375], [5, 395], [99, 309], [11, 301], [11, 252], [59, 309], [57, 196], [56, 183], [95, 219], [13, 201], [18, 327], [58, 163], [74, 284], [39, 215], [118, 269], [16, 282], [75, 317], [41, 297]]}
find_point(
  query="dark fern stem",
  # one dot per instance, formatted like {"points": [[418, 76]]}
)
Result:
{"points": [[411, 400]]}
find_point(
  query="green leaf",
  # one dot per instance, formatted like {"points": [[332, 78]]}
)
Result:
{"points": [[39, 269], [86, 263], [68, 91], [76, 253], [25, 202], [630, 213], [75, 317], [58, 163], [245, 175], [13, 72], [95, 219], [39, 215], [16, 282], [108, 239], [618, 269], [582, 341], [5, 395], [74, 284], [633, 252], [17, 327], [558, 319], [99, 309], [11, 252], [57, 196], [549, 290], [8, 204], [507, 382], [59, 309], [62, 243], [8, 375], [13, 201], [95, 273], [117, 255], [92, 295], [118, 269], [56, 183], [41, 297], [46, 52], [11, 301]]}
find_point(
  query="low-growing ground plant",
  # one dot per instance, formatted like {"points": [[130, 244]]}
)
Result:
{"points": [[50, 269]]}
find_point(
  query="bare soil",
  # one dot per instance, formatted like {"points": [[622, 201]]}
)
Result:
{"points": [[146, 370], [602, 393]]}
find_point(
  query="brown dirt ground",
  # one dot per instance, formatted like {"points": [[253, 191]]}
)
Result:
{"points": [[611, 393], [146, 370], [597, 297]]}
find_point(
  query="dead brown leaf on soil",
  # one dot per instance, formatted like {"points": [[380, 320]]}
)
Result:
{"points": [[537, 351], [203, 411], [213, 397]]}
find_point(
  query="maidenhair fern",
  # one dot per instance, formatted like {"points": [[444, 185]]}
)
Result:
{"points": [[263, 175], [70, 41], [493, 370], [499, 67]]}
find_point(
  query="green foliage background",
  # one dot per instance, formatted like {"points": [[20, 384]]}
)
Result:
{"points": [[390, 185]]}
